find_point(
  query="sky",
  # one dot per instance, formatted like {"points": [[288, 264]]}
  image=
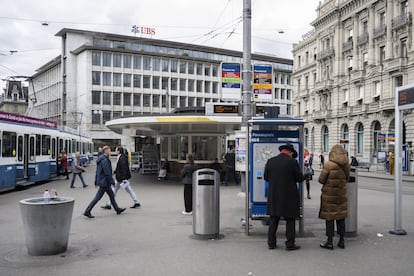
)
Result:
{"points": [[28, 28]]}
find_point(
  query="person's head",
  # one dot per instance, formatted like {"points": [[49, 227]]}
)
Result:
{"points": [[119, 150], [63, 152], [106, 150], [99, 149], [190, 158], [288, 148]]}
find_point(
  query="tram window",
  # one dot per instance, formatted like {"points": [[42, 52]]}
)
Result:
{"points": [[38, 144], [45, 145], [53, 147], [9, 144], [74, 146], [60, 145], [20, 148], [67, 146], [32, 148]]}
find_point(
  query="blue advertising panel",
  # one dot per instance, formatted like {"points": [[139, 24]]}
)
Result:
{"points": [[231, 81]]}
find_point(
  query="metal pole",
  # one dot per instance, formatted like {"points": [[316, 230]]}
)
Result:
{"points": [[398, 171], [247, 91]]}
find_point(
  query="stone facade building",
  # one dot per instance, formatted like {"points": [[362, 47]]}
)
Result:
{"points": [[346, 71]]}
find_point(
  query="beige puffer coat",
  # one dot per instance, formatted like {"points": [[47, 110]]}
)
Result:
{"points": [[334, 177]]}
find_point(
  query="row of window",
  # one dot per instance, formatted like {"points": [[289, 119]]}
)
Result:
{"points": [[153, 64], [153, 82], [283, 94]]}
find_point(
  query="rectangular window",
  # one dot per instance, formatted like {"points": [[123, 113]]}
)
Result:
{"points": [[288, 94], [106, 98], [215, 70], [282, 94], [165, 65], [106, 116], [191, 101], [190, 67], [174, 82], [174, 65], [96, 78], [215, 87], [9, 144], [207, 88], [155, 82], [163, 100], [199, 69], [155, 100], [106, 78], [276, 93], [183, 101], [204, 147], [137, 99], [117, 79], [127, 80], [137, 62], [173, 103], [403, 48], [117, 60], [199, 102], [382, 54], [147, 100], [156, 64], [147, 63], [96, 117], [96, 58], [38, 144], [276, 78], [207, 70], [117, 98], [190, 85], [127, 99], [96, 97], [137, 80], [116, 114], [107, 59], [127, 61], [182, 85], [199, 87], [164, 83], [183, 67], [147, 82]]}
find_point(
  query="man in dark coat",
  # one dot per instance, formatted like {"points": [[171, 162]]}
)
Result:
{"points": [[282, 173], [104, 180]]}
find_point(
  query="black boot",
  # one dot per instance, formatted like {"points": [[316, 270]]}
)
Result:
{"points": [[328, 244], [341, 243]]}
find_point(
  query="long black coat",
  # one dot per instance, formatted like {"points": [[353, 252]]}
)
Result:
{"points": [[122, 171], [282, 173]]}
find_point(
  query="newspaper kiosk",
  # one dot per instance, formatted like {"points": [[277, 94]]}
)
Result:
{"points": [[264, 138]]}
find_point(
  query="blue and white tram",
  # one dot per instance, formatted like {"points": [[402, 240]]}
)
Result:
{"points": [[30, 149]]}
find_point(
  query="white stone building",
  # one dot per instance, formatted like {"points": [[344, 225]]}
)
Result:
{"points": [[346, 71], [99, 77]]}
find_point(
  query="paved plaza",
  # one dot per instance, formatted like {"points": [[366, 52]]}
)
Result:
{"points": [[156, 238]]}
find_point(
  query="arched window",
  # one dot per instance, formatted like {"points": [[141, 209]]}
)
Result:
{"points": [[325, 139], [345, 135], [376, 128], [360, 138], [306, 134]]}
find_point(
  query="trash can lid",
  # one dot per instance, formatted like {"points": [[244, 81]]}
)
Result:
{"points": [[40, 200]]}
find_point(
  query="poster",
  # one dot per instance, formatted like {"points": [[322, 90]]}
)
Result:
{"points": [[231, 81], [262, 82]]}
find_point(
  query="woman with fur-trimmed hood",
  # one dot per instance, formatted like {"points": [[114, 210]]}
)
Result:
{"points": [[334, 178]]}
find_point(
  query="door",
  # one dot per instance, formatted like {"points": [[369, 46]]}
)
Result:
{"points": [[29, 155]]}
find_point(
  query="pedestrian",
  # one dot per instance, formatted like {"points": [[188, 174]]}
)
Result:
{"points": [[64, 163], [322, 160], [187, 179], [308, 172], [77, 169], [217, 166], [103, 179], [164, 169], [230, 159], [99, 152], [122, 176], [282, 174], [334, 177]]}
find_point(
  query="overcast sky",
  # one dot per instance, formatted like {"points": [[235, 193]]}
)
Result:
{"points": [[213, 23]]}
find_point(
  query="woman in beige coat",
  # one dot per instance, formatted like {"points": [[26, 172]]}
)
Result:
{"points": [[334, 177]]}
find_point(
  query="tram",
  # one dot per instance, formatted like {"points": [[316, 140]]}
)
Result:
{"points": [[30, 149]]}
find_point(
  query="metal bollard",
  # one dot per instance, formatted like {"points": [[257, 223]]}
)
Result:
{"points": [[351, 222]]}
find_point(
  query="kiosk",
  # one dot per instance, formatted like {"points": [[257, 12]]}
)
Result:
{"points": [[264, 138]]}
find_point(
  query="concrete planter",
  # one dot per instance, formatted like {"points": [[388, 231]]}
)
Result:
{"points": [[46, 225]]}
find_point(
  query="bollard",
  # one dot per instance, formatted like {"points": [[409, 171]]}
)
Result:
{"points": [[351, 222]]}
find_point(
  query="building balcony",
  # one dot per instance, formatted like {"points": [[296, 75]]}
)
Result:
{"points": [[387, 104], [401, 21], [321, 115], [357, 75], [325, 54], [346, 46], [396, 64], [379, 31], [362, 39], [324, 85]]}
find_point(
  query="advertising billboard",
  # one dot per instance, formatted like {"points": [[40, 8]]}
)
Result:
{"points": [[230, 81], [262, 82]]}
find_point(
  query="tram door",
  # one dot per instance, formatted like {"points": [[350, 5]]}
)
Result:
{"points": [[25, 154]]}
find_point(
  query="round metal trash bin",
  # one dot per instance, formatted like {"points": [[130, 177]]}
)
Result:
{"points": [[206, 204], [46, 225]]}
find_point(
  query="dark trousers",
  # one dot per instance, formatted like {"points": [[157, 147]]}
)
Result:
{"points": [[230, 170], [340, 228], [99, 194], [308, 184], [290, 231], [188, 197]]}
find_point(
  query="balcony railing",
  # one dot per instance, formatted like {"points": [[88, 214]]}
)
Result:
{"points": [[326, 53], [379, 31], [396, 64], [401, 21], [346, 46], [324, 85], [357, 75], [362, 39]]}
